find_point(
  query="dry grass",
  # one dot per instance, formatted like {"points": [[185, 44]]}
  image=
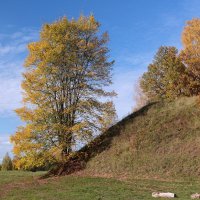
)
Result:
{"points": [[159, 140]]}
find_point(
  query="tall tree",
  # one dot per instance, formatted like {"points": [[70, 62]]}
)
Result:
{"points": [[67, 71], [166, 76], [191, 53]]}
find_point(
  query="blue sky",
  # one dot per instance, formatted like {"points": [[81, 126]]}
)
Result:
{"points": [[136, 28]]}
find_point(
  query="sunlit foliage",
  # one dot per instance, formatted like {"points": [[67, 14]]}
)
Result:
{"points": [[64, 96]]}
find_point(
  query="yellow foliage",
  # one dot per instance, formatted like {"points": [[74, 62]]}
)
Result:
{"points": [[66, 71], [191, 53]]}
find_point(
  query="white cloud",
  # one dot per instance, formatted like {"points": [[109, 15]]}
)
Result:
{"points": [[5, 146], [10, 94], [136, 61], [4, 141], [12, 55], [124, 81]]}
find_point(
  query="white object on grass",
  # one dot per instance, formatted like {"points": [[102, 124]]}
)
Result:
{"points": [[195, 196], [163, 194]]}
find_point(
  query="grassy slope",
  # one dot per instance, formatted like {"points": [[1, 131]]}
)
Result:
{"points": [[160, 140], [163, 140], [85, 188]]}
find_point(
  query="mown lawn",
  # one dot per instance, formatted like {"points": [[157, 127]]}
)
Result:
{"points": [[7, 177], [25, 186]]}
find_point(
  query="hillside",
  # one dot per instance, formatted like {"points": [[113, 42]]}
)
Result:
{"points": [[161, 139]]}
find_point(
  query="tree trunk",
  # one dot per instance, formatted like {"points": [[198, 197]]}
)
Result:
{"points": [[67, 147]]}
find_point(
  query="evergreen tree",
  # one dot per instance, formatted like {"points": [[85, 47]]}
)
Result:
{"points": [[7, 163]]}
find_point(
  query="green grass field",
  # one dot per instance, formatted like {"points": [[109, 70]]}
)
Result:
{"points": [[26, 186]]}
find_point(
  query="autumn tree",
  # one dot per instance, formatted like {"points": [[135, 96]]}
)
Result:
{"points": [[139, 97], [7, 163], [65, 97], [191, 54], [166, 76]]}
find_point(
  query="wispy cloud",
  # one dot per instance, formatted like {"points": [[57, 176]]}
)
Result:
{"points": [[5, 146], [136, 60], [172, 23], [5, 140], [124, 80], [191, 8], [12, 54], [10, 94]]}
